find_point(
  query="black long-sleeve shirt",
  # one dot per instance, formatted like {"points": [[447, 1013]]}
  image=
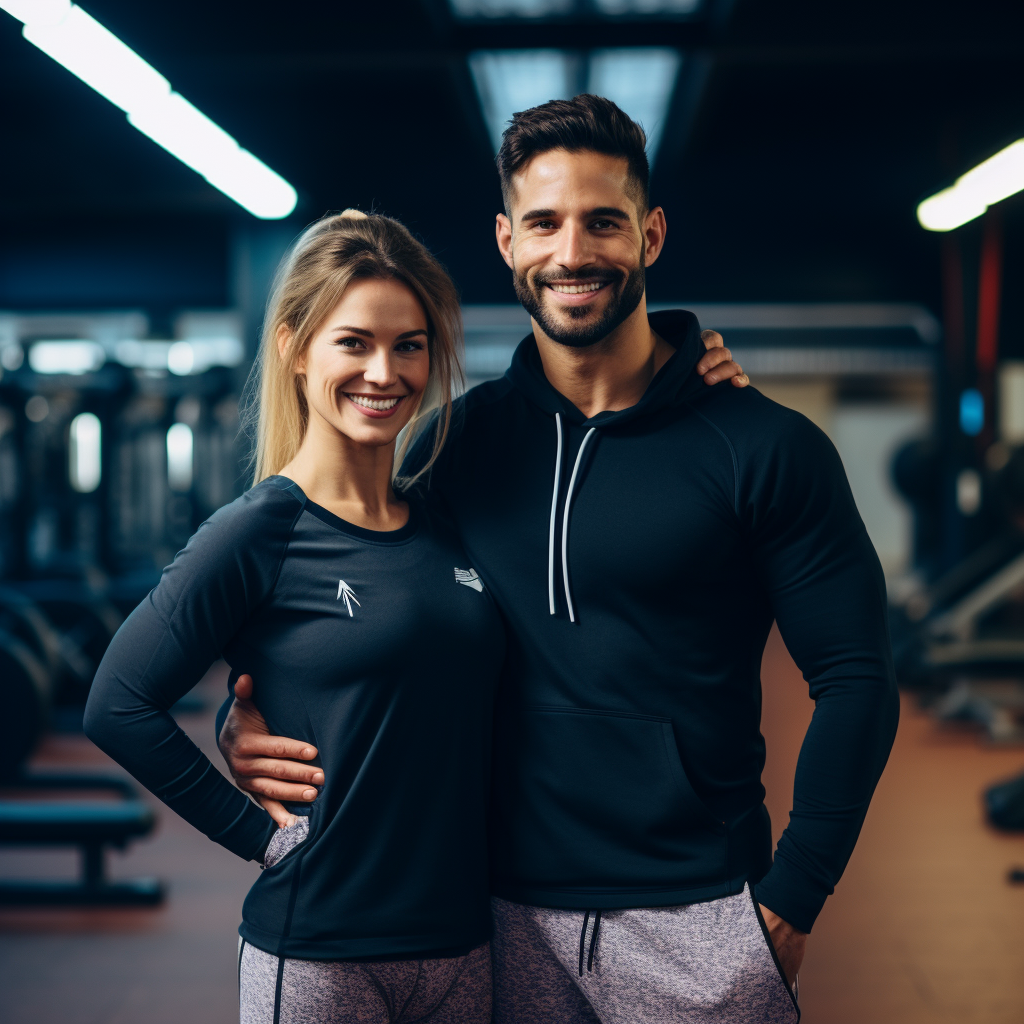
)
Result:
{"points": [[628, 753], [382, 649]]}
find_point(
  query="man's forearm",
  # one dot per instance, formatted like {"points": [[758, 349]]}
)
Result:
{"points": [[841, 761]]}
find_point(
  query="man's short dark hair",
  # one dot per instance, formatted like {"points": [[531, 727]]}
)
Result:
{"points": [[586, 122]]}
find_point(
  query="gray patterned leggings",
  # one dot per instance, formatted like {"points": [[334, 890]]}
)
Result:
{"points": [[455, 990]]}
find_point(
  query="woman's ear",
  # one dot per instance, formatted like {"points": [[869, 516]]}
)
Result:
{"points": [[284, 339]]}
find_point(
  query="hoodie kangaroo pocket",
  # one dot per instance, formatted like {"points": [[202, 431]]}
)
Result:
{"points": [[599, 799]]}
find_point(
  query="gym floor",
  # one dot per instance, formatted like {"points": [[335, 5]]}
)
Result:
{"points": [[923, 927]]}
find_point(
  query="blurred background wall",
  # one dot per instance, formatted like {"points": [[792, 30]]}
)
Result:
{"points": [[790, 142]]}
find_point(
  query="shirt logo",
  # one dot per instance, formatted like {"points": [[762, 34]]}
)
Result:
{"points": [[469, 578], [346, 592]]}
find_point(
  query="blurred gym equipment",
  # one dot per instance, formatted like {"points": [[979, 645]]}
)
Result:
{"points": [[33, 657], [91, 825], [112, 451]]}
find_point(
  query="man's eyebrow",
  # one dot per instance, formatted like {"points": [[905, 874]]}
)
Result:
{"points": [[609, 211], [600, 211]]}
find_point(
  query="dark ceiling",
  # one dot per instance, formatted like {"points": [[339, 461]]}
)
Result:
{"points": [[801, 137]]}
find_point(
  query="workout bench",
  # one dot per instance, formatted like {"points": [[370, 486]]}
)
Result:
{"points": [[91, 825]]}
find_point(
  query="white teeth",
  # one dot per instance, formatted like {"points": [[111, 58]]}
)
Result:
{"points": [[379, 404], [576, 289]]}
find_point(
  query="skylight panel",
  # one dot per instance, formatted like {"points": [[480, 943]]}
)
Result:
{"points": [[511, 80], [641, 8], [639, 80], [479, 10], [473, 9]]}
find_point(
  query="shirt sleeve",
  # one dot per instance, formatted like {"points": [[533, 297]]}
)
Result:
{"points": [[828, 594], [164, 648]]}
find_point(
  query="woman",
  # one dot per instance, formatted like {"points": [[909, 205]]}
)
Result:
{"points": [[344, 599]]}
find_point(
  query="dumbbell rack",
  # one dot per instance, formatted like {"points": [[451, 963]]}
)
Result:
{"points": [[91, 825]]}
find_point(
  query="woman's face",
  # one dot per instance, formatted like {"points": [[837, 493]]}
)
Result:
{"points": [[367, 367]]}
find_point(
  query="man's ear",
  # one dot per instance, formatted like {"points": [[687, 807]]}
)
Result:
{"points": [[503, 233], [283, 339], [654, 230]]}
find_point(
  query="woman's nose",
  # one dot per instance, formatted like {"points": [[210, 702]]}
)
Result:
{"points": [[380, 370]]}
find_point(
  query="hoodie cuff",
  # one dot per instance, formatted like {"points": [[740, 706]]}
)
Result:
{"points": [[792, 894]]}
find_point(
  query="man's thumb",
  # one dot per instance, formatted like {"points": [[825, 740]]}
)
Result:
{"points": [[243, 687]]}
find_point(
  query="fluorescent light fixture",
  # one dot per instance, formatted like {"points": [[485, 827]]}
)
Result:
{"points": [[75, 357], [11, 357], [179, 457], [639, 80], [81, 44], [199, 354], [84, 453], [995, 179]]}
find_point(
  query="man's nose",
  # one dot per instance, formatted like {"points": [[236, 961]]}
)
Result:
{"points": [[573, 248]]}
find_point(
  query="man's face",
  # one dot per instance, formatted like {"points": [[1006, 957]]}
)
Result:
{"points": [[575, 244]]}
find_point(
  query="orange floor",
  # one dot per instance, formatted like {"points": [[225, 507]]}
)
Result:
{"points": [[923, 927]]}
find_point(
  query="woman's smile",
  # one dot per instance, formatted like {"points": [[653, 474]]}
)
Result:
{"points": [[375, 406]]}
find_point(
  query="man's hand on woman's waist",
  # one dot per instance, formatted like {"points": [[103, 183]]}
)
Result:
{"points": [[268, 767]]}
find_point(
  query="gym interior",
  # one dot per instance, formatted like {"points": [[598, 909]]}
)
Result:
{"points": [[843, 186]]}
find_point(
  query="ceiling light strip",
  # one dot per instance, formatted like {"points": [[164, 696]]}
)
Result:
{"points": [[995, 179], [89, 51]]}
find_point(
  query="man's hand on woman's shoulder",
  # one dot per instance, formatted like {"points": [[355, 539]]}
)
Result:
{"points": [[268, 767], [717, 364]]}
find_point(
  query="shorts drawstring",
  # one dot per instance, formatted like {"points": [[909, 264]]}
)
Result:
{"points": [[593, 940]]}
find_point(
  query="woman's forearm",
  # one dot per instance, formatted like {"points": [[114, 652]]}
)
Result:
{"points": [[127, 716]]}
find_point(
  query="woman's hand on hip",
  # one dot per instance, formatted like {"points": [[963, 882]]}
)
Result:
{"points": [[268, 767]]}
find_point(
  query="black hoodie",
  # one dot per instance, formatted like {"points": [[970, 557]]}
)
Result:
{"points": [[639, 558]]}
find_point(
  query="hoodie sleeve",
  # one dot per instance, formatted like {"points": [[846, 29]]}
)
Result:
{"points": [[828, 594], [166, 645]]}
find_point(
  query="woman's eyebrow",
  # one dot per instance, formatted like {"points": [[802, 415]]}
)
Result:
{"points": [[412, 334], [355, 330]]}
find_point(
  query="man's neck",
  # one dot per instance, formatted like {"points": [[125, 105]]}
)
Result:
{"points": [[611, 374]]}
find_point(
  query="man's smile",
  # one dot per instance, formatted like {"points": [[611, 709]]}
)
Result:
{"points": [[576, 293]]}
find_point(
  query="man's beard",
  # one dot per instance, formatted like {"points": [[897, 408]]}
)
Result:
{"points": [[619, 308]]}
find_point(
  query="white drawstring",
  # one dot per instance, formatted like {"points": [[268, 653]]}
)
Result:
{"points": [[565, 524], [554, 507]]}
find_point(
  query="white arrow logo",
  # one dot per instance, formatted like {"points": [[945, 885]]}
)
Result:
{"points": [[345, 591]]}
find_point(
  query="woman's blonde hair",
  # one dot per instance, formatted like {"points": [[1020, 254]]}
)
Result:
{"points": [[328, 256]]}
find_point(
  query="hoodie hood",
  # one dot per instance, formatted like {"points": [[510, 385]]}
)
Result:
{"points": [[676, 382]]}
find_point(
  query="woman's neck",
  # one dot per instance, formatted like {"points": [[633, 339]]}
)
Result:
{"points": [[351, 480]]}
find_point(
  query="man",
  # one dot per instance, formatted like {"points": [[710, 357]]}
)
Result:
{"points": [[615, 508]]}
